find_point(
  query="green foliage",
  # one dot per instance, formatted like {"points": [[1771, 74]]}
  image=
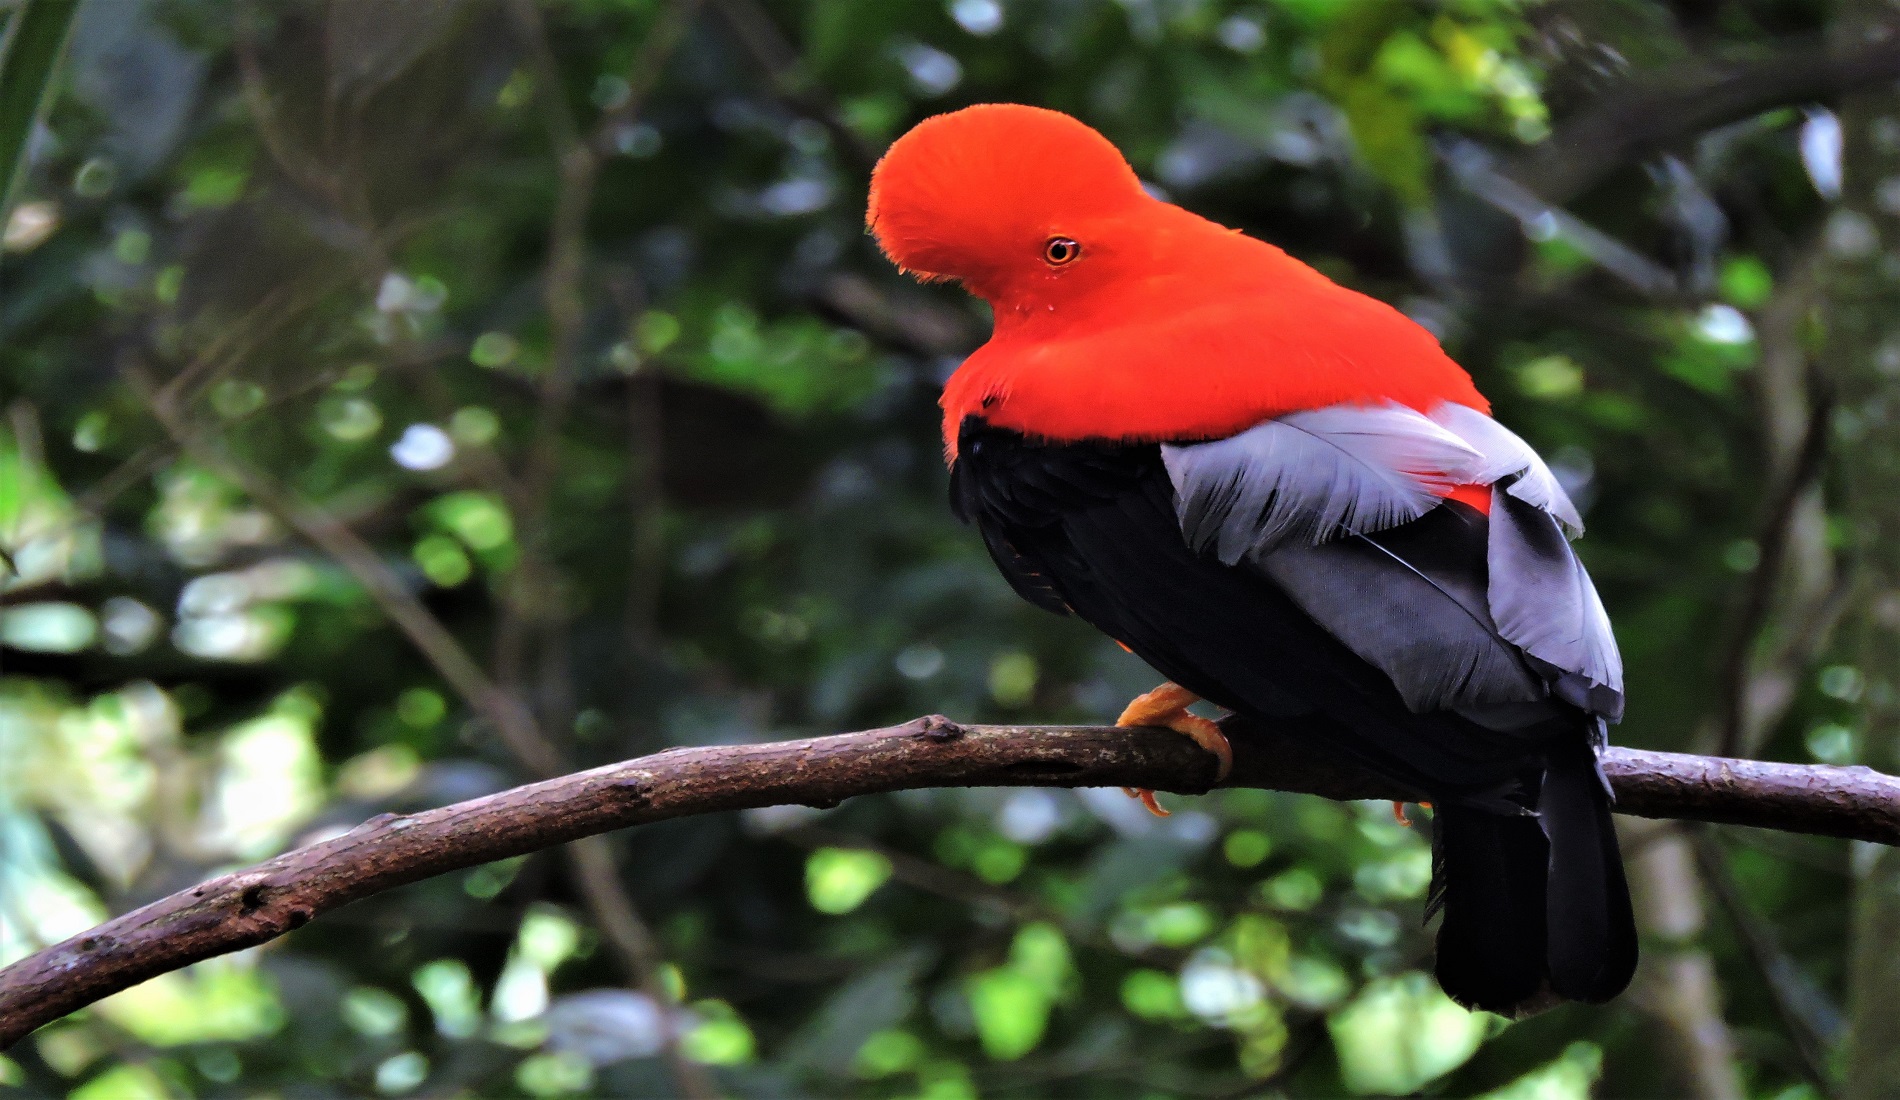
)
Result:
{"points": [[701, 499], [29, 55], [839, 880]]}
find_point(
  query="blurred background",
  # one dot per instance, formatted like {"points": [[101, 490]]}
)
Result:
{"points": [[403, 401]]}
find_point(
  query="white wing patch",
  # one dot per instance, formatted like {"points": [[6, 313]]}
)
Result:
{"points": [[1510, 460], [1312, 476]]}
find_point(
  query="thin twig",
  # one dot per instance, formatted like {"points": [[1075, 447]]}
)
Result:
{"points": [[1812, 1024], [760, 37], [440, 648]]}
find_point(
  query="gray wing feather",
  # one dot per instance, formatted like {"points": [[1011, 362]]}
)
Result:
{"points": [[1430, 633], [1508, 459], [1311, 476], [1544, 603], [1286, 494]]}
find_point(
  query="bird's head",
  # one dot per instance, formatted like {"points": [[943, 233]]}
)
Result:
{"points": [[1017, 203]]}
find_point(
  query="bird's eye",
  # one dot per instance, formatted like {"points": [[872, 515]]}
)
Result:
{"points": [[1058, 251]]}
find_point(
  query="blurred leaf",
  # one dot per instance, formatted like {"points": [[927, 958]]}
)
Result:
{"points": [[839, 880], [124, 1082], [1401, 1033], [881, 997], [1746, 282], [372, 42], [48, 627], [1011, 1010], [1571, 1077], [219, 1000], [449, 991], [1153, 995], [29, 55], [1387, 129], [798, 366], [603, 1026], [720, 1038], [888, 1052]]}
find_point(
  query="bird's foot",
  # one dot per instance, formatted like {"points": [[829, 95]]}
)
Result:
{"points": [[1166, 707], [1398, 813]]}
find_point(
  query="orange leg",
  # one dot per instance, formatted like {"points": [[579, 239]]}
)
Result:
{"points": [[1166, 707], [1398, 813]]}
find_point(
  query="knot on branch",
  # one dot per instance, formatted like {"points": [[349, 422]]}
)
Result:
{"points": [[935, 727], [634, 790]]}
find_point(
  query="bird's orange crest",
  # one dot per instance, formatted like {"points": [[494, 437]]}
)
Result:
{"points": [[976, 195], [1118, 315]]}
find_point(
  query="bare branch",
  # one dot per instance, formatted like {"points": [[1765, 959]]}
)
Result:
{"points": [[760, 38], [1651, 115], [254, 906]]}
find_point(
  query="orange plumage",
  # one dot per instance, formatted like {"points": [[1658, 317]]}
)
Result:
{"points": [[1168, 326]]}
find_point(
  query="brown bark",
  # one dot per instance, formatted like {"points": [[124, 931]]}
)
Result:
{"points": [[259, 904]]}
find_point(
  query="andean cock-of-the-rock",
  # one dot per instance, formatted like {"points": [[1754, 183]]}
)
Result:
{"points": [[1284, 496]]}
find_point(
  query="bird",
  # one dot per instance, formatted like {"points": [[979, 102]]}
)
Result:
{"points": [[1285, 497]]}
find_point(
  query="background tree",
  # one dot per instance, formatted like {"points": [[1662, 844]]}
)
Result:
{"points": [[406, 401]]}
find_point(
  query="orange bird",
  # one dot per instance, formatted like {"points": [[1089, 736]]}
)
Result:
{"points": [[1287, 499]]}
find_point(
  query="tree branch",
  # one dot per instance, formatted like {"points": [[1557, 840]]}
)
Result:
{"points": [[1653, 114], [249, 907]]}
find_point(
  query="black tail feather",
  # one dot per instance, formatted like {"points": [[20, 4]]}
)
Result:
{"points": [[1592, 931], [1491, 942], [1534, 906]]}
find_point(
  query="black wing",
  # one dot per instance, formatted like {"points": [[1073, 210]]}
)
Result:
{"points": [[1095, 526], [1308, 573]]}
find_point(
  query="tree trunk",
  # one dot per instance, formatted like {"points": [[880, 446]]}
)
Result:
{"points": [[1862, 324]]}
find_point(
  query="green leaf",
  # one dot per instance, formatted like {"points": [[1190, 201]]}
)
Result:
{"points": [[1041, 954], [1570, 1077], [1746, 282], [35, 37], [839, 879], [721, 1038], [1387, 130], [1400, 1033], [1011, 1012], [1153, 995], [124, 1082]]}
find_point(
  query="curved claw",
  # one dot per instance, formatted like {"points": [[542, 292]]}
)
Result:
{"points": [[1166, 707], [1147, 798]]}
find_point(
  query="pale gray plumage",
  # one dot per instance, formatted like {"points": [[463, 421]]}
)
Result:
{"points": [[1545, 604], [1311, 476], [1507, 458], [1288, 494]]}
